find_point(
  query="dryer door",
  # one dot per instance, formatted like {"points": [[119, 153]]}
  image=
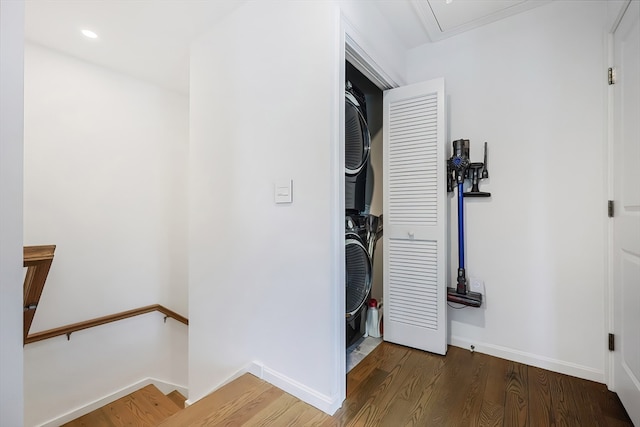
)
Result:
{"points": [[358, 272], [357, 140]]}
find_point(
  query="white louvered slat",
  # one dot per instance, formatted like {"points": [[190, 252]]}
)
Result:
{"points": [[414, 196], [421, 261], [412, 161]]}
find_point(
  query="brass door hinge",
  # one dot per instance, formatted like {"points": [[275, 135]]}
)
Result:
{"points": [[611, 76]]}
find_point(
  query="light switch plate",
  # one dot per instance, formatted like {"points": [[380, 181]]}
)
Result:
{"points": [[283, 191]]}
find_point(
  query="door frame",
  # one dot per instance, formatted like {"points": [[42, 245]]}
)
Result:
{"points": [[350, 48], [609, 378]]}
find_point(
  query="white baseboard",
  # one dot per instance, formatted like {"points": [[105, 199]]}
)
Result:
{"points": [[536, 360], [308, 395], [163, 386], [245, 369]]}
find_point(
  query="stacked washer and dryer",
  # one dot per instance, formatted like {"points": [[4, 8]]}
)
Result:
{"points": [[362, 229]]}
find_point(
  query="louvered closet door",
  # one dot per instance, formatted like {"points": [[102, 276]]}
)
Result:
{"points": [[414, 217]]}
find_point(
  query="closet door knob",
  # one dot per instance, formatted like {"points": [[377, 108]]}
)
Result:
{"points": [[410, 233]]}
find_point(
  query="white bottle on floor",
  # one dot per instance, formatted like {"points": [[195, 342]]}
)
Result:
{"points": [[373, 319]]}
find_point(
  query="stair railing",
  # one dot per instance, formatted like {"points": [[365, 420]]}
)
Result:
{"points": [[38, 261]]}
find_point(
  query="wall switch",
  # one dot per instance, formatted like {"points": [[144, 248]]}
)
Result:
{"points": [[283, 191], [476, 285]]}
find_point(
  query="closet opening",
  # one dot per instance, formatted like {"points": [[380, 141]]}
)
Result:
{"points": [[363, 215]]}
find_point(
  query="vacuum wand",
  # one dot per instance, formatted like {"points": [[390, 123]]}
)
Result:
{"points": [[461, 287]]}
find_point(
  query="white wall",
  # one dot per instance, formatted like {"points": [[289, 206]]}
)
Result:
{"points": [[11, 137], [534, 87], [614, 10], [264, 96], [63, 379], [105, 175], [266, 281], [368, 29], [105, 180]]}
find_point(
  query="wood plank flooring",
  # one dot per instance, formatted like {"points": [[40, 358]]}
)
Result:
{"points": [[407, 387], [398, 386], [144, 407], [393, 386], [177, 398]]}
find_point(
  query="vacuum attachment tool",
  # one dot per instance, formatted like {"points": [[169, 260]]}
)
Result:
{"points": [[472, 299], [475, 173]]}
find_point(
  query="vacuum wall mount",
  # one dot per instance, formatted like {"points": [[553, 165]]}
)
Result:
{"points": [[459, 169]]}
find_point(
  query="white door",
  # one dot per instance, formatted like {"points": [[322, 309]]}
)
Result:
{"points": [[414, 216], [626, 221]]}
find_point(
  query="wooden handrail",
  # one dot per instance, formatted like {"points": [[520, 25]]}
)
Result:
{"points": [[170, 313], [35, 254], [38, 261], [69, 329]]}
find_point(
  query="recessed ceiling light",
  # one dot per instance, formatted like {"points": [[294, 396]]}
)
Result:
{"points": [[90, 34], [448, 1]]}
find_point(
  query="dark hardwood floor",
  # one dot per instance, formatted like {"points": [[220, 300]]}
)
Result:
{"points": [[399, 386]]}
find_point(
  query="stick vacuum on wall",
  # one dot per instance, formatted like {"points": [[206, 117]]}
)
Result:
{"points": [[459, 168]]}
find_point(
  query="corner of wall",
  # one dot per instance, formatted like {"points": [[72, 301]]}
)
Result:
{"points": [[327, 404], [11, 194]]}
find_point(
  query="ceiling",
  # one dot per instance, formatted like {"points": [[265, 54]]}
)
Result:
{"points": [[149, 39], [422, 21]]}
